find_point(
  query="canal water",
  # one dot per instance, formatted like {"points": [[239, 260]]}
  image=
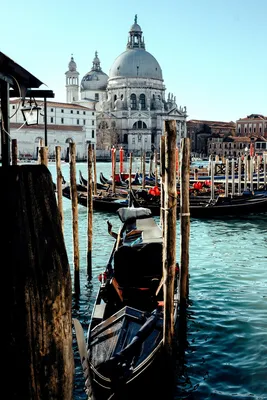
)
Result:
{"points": [[226, 353]]}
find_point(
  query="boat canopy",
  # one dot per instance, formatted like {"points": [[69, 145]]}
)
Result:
{"points": [[129, 213]]}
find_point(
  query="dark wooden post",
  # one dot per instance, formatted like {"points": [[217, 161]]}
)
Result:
{"points": [[130, 173], [89, 212], [144, 171], [184, 222], [169, 248], [74, 204], [14, 152], [114, 172], [37, 333], [59, 184], [95, 174], [151, 166], [162, 176], [43, 156], [156, 167]]}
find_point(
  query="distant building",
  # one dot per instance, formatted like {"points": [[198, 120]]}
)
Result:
{"points": [[253, 124], [236, 146], [200, 131], [65, 123]]}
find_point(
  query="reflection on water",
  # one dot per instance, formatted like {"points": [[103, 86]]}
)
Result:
{"points": [[226, 352]]}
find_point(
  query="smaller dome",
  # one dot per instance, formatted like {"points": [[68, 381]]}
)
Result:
{"points": [[135, 28], [95, 79]]}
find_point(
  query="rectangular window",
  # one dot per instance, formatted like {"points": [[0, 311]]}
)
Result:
{"points": [[93, 133], [71, 111], [62, 120], [97, 96], [93, 113], [93, 122], [52, 119], [78, 121], [52, 109], [133, 140], [78, 112], [62, 110], [84, 113], [84, 121], [13, 107]]}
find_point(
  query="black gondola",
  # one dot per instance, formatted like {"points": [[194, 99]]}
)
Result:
{"points": [[123, 357]]}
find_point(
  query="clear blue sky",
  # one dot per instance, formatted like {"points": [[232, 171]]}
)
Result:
{"points": [[213, 53]]}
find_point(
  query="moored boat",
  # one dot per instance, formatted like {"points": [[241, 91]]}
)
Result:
{"points": [[125, 336]]}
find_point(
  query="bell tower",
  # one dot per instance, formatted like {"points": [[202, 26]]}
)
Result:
{"points": [[72, 82]]}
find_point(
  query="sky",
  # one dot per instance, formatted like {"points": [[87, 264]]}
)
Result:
{"points": [[213, 53]]}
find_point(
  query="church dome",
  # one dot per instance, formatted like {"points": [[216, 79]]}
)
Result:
{"points": [[95, 79], [135, 61]]}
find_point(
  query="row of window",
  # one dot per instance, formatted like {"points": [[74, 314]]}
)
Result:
{"points": [[262, 145], [250, 130], [78, 121], [71, 111]]}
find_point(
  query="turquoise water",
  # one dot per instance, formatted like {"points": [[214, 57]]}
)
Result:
{"points": [[226, 353]]}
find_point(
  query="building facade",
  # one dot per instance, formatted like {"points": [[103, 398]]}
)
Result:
{"points": [[65, 123], [254, 124], [130, 103], [236, 146], [200, 131]]}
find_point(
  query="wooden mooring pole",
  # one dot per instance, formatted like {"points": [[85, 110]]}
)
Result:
{"points": [[114, 171], [59, 184], [89, 212], [95, 173], [169, 254], [162, 178], [144, 170], [184, 223], [74, 204], [37, 332], [169, 235]]}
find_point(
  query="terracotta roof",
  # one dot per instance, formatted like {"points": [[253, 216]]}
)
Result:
{"points": [[49, 127], [197, 121], [57, 104]]}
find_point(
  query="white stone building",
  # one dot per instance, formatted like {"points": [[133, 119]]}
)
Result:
{"points": [[130, 102], [65, 123]]}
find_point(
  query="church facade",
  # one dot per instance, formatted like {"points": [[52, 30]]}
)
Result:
{"points": [[130, 102]]}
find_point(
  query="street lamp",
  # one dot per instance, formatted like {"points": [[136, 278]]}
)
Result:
{"points": [[30, 111]]}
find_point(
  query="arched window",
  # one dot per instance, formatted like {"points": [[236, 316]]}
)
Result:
{"points": [[139, 125], [142, 100], [125, 138], [133, 101], [69, 140]]}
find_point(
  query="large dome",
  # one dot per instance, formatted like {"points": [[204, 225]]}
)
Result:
{"points": [[95, 79], [134, 63]]}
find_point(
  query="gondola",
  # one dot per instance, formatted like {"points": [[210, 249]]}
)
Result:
{"points": [[108, 202], [104, 187], [220, 206], [124, 350], [201, 206]]}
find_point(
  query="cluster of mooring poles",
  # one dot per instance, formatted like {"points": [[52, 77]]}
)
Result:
{"points": [[38, 294]]}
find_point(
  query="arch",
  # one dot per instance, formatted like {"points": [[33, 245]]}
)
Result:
{"points": [[69, 140], [133, 101], [142, 100], [139, 125]]}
